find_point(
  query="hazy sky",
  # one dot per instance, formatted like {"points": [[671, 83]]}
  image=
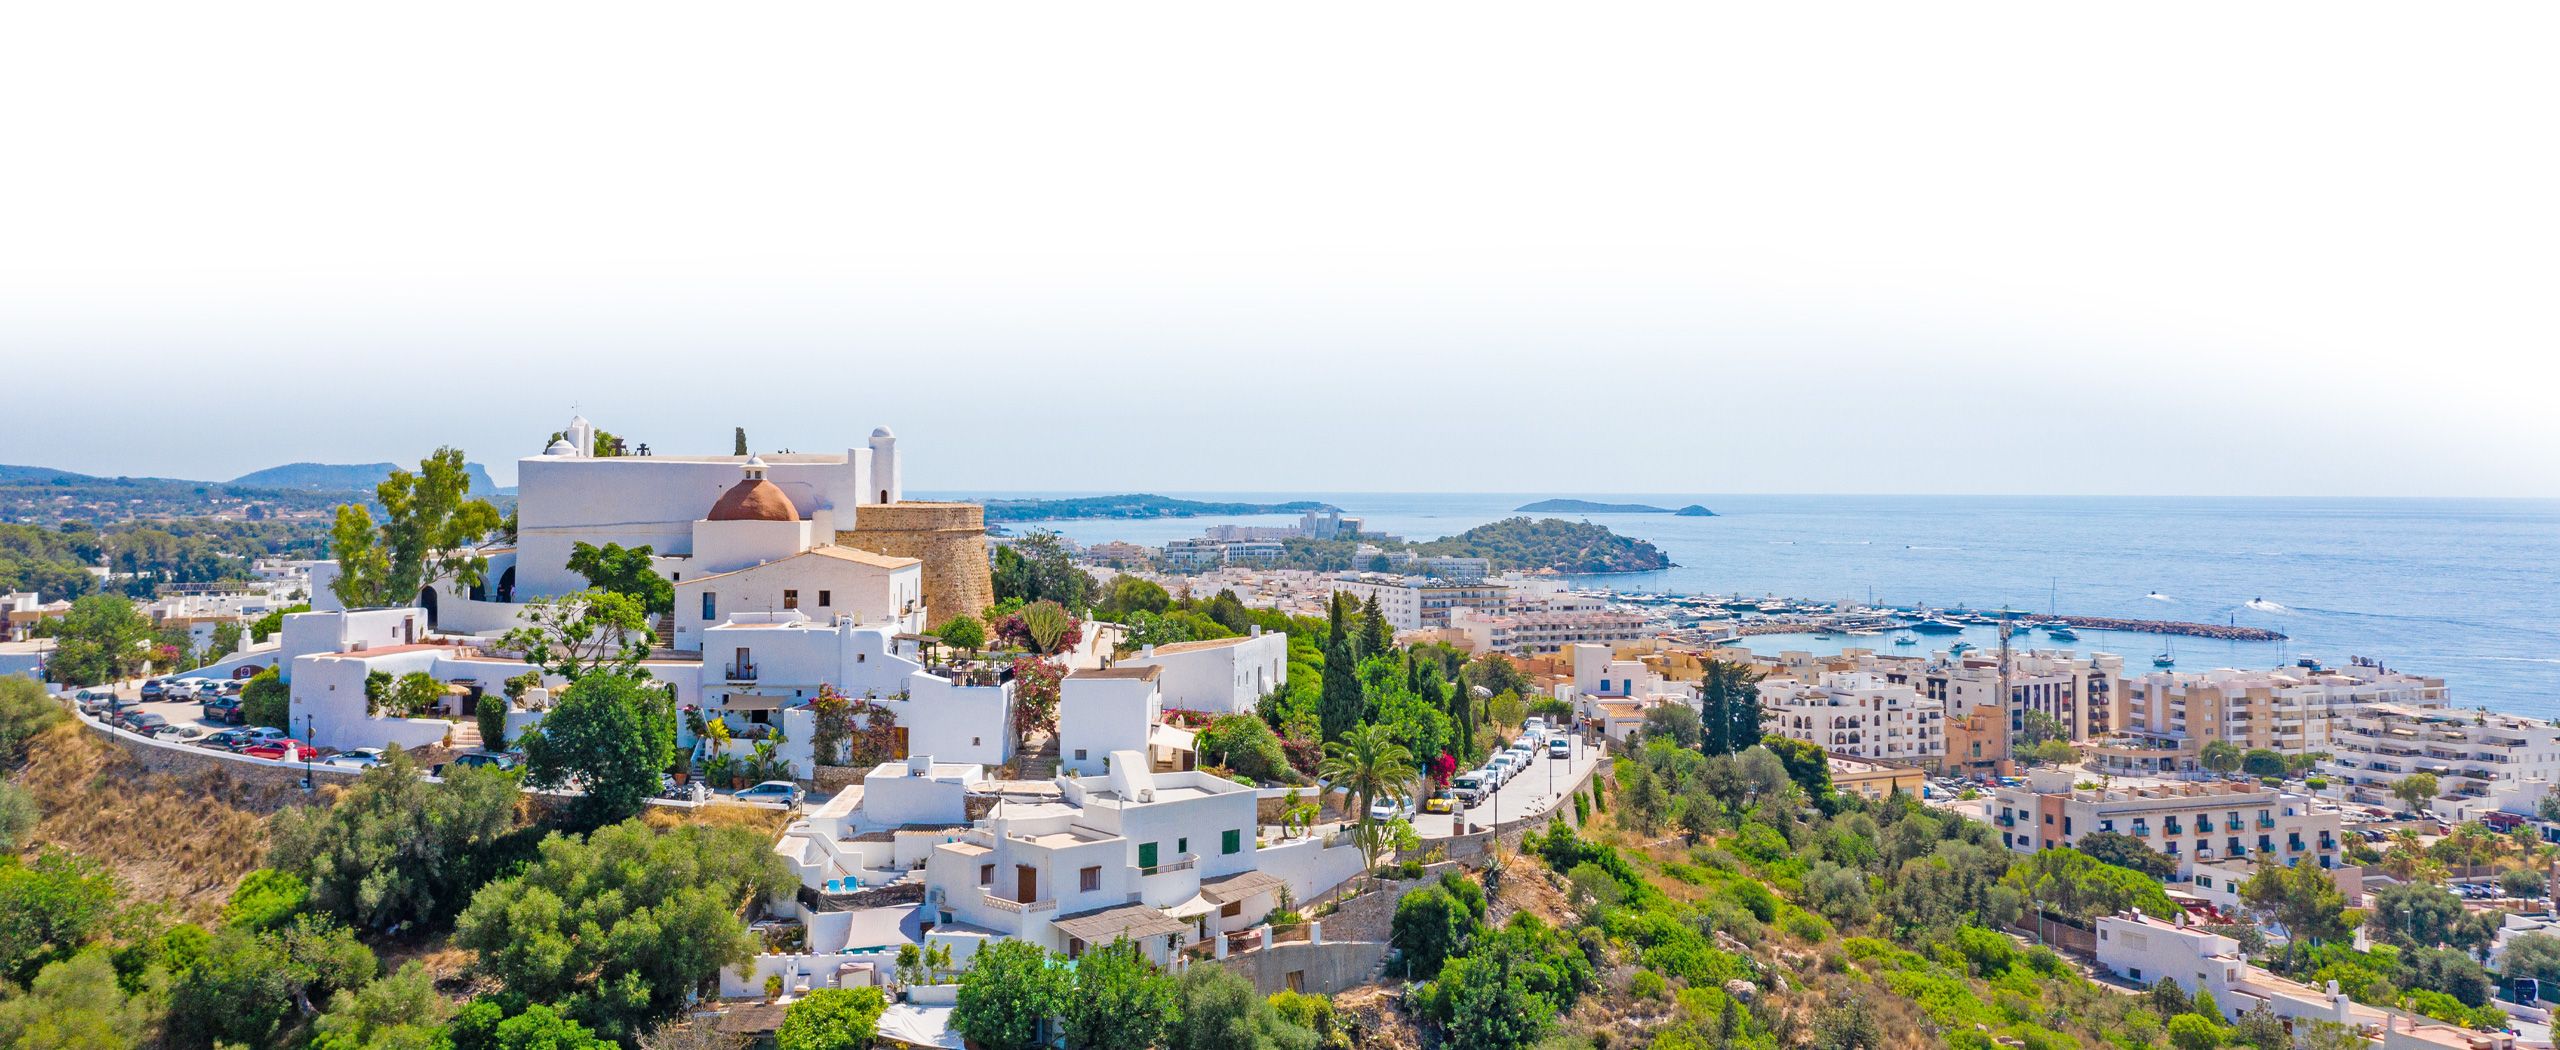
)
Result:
{"points": [[2166, 248]]}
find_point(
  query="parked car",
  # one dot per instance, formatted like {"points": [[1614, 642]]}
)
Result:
{"points": [[1560, 747], [152, 689], [1468, 787], [282, 749], [180, 734], [95, 701], [1443, 802], [227, 740], [484, 760], [780, 791], [223, 709], [355, 758], [1536, 723], [1385, 809], [142, 722]]}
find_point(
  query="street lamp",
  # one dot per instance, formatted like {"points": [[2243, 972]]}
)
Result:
{"points": [[308, 734]]}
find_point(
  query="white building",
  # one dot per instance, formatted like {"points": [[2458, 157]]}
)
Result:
{"points": [[1456, 569], [2189, 822], [825, 581], [1115, 711], [876, 835], [2481, 761], [1543, 632], [762, 669], [2147, 950], [1856, 713], [1219, 676], [1413, 603], [1162, 859]]}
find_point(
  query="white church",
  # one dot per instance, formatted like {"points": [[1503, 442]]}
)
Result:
{"points": [[770, 606]]}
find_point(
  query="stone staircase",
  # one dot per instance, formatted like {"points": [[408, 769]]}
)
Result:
{"points": [[1041, 764], [466, 735]]}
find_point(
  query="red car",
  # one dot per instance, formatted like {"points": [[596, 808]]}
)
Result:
{"points": [[283, 750]]}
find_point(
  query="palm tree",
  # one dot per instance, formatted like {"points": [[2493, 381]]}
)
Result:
{"points": [[1369, 764]]}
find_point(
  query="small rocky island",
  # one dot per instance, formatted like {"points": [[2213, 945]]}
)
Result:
{"points": [[1694, 511]]}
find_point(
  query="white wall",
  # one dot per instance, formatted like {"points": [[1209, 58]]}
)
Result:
{"points": [[1221, 679], [1097, 716]]}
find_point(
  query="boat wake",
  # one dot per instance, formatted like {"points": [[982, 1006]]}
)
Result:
{"points": [[1918, 547], [2156, 596], [2263, 605]]}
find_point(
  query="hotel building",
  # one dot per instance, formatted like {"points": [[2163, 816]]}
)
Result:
{"points": [[2189, 822]]}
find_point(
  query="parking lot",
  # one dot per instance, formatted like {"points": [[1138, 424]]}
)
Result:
{"points": [[1535, 791]]}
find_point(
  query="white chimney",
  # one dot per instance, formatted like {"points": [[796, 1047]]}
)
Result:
{"points": [[1148, 650], [1256, 631]]}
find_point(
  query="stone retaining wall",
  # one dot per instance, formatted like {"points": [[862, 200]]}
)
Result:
{"points": [[1319, 969], [157, 756]]}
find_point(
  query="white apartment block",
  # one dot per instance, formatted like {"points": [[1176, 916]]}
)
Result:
{"points": [[1456, 569], [2193, 823], [1856, 714], [1413, 603], [2074, 690], [1544, 632], [2165, 718], [2481, 761]]}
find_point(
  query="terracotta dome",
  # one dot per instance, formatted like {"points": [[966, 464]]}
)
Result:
{"points": [[754, 499]]}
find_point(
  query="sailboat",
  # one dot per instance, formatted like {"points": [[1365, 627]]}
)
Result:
{"points": [[2165, 658]]}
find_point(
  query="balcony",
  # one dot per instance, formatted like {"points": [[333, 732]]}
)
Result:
{"points": [[1017, 907], [1184, 862], [2005, 820], [741, 672]]}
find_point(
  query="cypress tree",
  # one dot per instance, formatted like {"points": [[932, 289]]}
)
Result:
{"points": [[1338, 706], [742, 442], [1375, 636]]}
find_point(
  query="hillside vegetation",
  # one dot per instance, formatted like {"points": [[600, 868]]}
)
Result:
{"points": [[182, 841]]}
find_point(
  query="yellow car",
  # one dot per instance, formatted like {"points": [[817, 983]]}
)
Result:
{"points": [[1440, 803]]}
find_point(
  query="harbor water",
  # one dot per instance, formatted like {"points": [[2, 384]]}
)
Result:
{"points": [[2465, 589]]}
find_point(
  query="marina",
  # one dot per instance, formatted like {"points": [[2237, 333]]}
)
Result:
{"points": [[1741, 616]]}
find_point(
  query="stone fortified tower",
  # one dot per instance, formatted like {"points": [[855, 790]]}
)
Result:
{"points": [[951, 540]]}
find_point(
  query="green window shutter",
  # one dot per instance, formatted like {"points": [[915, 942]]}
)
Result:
{"points": [[1181, 846], [1146, 854], [1233, 842]]}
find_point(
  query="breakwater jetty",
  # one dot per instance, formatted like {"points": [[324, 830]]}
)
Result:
{"points": [[2221, 631]]}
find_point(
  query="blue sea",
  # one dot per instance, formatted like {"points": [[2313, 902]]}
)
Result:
{"points": [[2468, 589]]}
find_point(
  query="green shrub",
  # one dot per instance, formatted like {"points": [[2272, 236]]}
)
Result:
{"points": [[1647, 984]]}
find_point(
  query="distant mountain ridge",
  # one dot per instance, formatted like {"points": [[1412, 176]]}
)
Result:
{"points": [[346, 477]]}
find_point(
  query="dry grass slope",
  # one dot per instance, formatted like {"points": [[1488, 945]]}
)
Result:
{"points": [[185, 841]]}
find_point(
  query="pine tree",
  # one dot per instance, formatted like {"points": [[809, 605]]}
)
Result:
{"points": [[742, 442]]}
